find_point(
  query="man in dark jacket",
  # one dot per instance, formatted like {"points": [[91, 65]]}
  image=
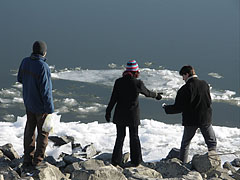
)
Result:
{"points": [[35, 76], [193, 100], [125, 95]]}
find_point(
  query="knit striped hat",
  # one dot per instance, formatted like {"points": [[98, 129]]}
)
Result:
{"points": [[132, 65]]}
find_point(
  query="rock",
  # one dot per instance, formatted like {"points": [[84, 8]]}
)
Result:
{"points": [[219, 173], [72, 167], [103, 173], [90, 151], [4, 161], [192, 175], [9, 151], [16, 163], [1, 154], [61, 164], [76, 148], [236, 162], [151, 165], [106, 157], [8, 173], [171, 168], [207, 162], [91, 164], [125, 157], [236, 175], [59, 141], [227, 165], [69, 159], [47, 171], [238, 171], [174, 153], [50, 160], [141, 172]]}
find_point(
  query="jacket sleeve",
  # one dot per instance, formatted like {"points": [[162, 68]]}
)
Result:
{"points": [[113, 99], [19, 76], [46, 89], [181, 102], [143, 90], [209, 96]]}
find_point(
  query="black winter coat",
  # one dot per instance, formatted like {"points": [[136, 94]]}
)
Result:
{"points": [[193, 100], [125, 95]]}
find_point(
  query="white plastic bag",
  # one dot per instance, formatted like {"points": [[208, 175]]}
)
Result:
{"points": [[48, 123]]}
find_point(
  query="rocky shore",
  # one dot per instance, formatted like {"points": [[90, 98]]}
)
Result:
{"points": [[88, 164]]}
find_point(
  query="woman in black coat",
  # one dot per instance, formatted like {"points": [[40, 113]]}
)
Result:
{"points": [[125, 95]]}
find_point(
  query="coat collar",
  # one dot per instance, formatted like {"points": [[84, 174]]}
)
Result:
{"points": [[193, 76], [38, 57]]}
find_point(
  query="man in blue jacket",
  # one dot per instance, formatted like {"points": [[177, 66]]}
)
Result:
{"points": [[35, 76]]}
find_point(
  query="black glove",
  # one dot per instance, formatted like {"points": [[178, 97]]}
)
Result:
{"points": [[108, 117], [159, 97]]}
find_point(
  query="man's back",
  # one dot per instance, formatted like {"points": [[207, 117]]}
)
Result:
{"points": [[197, 110], [35, 76]]}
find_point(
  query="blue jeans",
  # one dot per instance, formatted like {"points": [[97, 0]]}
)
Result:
{"points": [[188, 134]]}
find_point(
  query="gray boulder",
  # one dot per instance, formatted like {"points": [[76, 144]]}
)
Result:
{"points": [[47, 171], [59, 141], [91, 164], [236, 175], [90, 151], [9, 151], [125, 157], [8, 173], [141, 172], [106, 157], [174, 153], [171, 168], [4, 161], [219, 173], [103, 173], [1, 154], [236, 162], [72, 167], [69, 159], [50, 160], [227, 165], [61, 164], [207, 162], [88, 165], [192, 175]]}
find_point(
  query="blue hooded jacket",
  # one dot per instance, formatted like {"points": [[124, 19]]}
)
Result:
{"points": [[35, 76]]}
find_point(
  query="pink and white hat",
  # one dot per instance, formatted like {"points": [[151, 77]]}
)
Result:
{"points": [[132, 66]]}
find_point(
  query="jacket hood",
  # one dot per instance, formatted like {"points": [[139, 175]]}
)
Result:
{"points": [[38, 57]]}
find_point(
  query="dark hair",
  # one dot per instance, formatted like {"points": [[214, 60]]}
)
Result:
{"points": [[187, 69], [131, 73]]}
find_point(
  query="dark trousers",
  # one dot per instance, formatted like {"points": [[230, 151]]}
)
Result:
{"points": [[30, 153], [135, 146], [188, 134]]}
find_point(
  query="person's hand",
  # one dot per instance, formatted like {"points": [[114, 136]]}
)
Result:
{"points": [[163, 105], [159, 97], [44, 115], [108, 117]]}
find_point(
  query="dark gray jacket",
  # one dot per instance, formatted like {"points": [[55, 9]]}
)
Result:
{"points": [[193, 100], [125, 95]]}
